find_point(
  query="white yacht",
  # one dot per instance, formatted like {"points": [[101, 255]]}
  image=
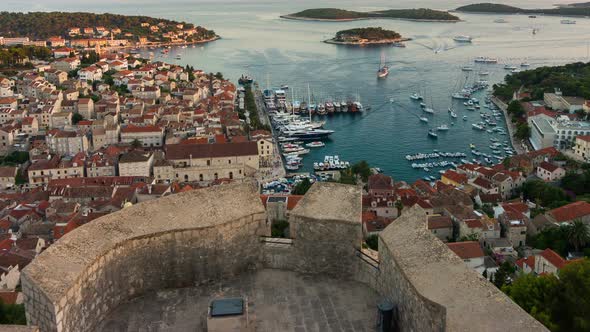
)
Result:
{"points": [[568, 22], [442, 127]]}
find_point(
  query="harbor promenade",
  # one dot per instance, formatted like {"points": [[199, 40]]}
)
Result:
{"points": [[519, 145], [276, 169]]}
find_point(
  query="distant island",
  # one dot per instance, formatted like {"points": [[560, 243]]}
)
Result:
{"points": [[334, 14], [44, 25], [580, 9], [366, 36]]}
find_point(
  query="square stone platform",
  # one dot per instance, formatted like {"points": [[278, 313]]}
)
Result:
{"points": [[277, 301]]}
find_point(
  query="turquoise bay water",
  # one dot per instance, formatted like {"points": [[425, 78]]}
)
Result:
{"points": [[256, 41]]}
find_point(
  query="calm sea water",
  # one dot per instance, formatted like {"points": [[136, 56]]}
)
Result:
{"points": [[256, 41]]}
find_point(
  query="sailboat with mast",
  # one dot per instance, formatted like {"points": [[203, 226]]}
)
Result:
{"points": [[383, 68]]}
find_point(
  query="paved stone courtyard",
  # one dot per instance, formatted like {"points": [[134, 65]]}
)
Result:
{"points": [[277, 301]]}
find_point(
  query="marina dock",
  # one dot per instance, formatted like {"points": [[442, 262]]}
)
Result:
{"points": [[518, 146]]}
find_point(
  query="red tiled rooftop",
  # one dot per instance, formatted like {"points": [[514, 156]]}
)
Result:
{"points": [[436, 222], [481, 182], [380, 182], [138, 129], [473, 223], [516, 207], [571, 211], [8, 297], [466, 250], [455, 177], [548, 166], [529, 261], [553, 258]]}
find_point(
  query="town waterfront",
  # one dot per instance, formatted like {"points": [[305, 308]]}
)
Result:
{"points": [[257, 42]]}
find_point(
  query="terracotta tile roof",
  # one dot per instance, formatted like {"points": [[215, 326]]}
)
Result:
{"points": [[466, 250], [468, 167], [440, 186], [518, 207], [378, 224], [8, 259], [424, 187], [368, 216], [473, 223], [487, 172], [7, 171], [97, 181], [436, 222], [571, 211], [490, 198], [500, 177], [585, 138], [548, 166], [455, 177], [8, 297], [553, 258], [134, 157], [406, 192], [292, 201], [143, 129], [550, 151], [380, 182], [529, 261], [424, 204], [483, 183], [186, 151]]}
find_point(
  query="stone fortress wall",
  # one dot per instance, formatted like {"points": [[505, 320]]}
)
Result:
{"points": [[194, 237]]}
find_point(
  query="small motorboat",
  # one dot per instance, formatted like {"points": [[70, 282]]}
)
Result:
{"points": [[416, 96], [316, 144]]}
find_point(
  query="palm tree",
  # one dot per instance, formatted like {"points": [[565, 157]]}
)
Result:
{"points": [[578, 234]]}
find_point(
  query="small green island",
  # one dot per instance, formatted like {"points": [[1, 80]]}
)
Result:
{"points": [[335, 14], [579, 9], [366, 36]]}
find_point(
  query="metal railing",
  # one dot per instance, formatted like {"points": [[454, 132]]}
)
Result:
{"points": [[367, 259]]}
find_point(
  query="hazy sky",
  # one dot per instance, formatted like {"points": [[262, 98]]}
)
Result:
{"points": [[117, 5]]}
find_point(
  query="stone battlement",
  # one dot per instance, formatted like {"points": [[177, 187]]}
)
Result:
{"points": [[195, 237]]}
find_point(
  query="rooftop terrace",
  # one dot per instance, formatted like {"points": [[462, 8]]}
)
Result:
{"points": [[277, 301]]}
